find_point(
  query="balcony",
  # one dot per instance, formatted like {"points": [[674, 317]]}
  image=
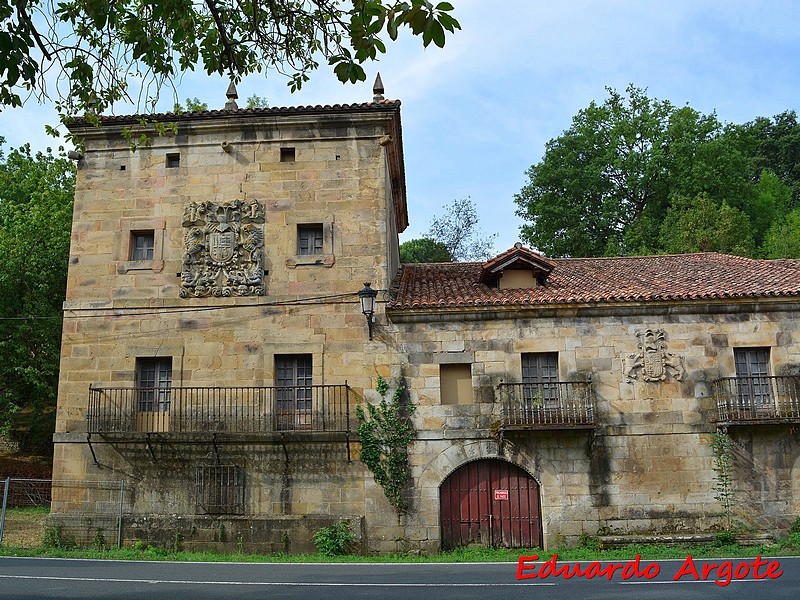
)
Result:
{"points": [[210, 411], [549, 406], [757, 400]]}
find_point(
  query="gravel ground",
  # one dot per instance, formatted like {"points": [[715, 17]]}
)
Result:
{"points": [[23, 527]]}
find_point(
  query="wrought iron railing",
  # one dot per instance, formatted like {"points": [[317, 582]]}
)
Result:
{"points": [[552, 405], [758, 398], [313, 408]]}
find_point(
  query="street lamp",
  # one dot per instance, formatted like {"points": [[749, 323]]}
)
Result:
{"points": [[367, 297]]}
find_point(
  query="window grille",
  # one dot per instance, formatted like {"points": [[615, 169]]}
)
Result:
{"points": [[220, 490]]}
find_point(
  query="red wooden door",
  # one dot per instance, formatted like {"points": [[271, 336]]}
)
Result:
{"points": [[491, 502]]}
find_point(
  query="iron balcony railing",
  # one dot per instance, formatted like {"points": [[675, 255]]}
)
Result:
{"points": [[757, 398], [313, 408], [552, 405]]}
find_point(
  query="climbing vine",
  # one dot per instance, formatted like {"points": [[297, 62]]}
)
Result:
{"points": [[722, 446], [385, 432]]}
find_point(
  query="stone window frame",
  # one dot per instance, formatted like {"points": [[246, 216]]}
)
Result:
{"points": [[123, 252], [325, 259]]}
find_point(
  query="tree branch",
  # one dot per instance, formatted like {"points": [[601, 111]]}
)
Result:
{"points": [[23, 16], [223, 36]]}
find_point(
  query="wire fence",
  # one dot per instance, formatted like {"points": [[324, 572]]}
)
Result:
{"points": [[26, 520]]}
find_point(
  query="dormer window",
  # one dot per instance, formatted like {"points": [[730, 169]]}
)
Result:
{"points": [[516, 268]]}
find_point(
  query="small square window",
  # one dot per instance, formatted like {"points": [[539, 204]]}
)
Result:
{"points": [[287, 154], [309, 239], [142, 245], [173, 161]]}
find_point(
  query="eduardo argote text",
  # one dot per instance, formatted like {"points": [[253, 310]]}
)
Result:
{"points": [[722, 573]]}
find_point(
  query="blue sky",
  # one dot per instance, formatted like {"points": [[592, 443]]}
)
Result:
{"points": [[479, 112]]}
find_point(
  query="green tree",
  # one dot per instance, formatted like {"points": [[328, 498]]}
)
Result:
{"points": [[701, 224], [772, 145], [36, 194], [102, 51], [424, 250], [782, 240], [256, 101], [192, 105], [605, 185], [771, 201], [457, 230]]}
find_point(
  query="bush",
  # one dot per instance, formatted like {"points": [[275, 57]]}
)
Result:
{"points": [[589, 541], [335, 540], [724, 538], [795, 528]]}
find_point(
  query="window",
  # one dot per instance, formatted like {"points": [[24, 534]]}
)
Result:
{"points": [[139, 245], [293, 391], [142, 245], [153, 383], [309, 239], [287, 154], [540, 378], [173, 161], [220, 489], [455, 383], [752, 378]]}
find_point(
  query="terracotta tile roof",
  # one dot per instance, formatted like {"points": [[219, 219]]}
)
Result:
{"points": [[586, 280], [382, 105]]}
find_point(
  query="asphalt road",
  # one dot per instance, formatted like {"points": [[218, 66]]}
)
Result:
{"points": [[62, 579]]}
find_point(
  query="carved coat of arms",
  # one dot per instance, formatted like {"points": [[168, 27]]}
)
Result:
{"points": [[653, 359], [223, 249]]}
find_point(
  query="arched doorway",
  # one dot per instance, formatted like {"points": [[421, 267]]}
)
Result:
{"points": [[491, 502]]}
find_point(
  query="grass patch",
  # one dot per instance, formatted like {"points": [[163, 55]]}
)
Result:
{"points": [[788, 547]]}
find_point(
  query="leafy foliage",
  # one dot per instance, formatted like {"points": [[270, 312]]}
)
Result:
{"points": [[102, 52], [36, 193], [385, 432], [256, 101], [424, 250], [335, 540], [722, 446], [702, 225], [457, 231], [192, 105], [636, 175], [782, 240]]}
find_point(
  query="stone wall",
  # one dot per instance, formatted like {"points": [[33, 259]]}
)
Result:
{"points": [[647, 467]]}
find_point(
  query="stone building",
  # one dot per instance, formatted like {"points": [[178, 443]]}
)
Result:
{"points": [[214, 353]]}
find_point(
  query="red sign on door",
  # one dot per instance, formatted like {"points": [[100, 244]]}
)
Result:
{"points": [[501, 494]]}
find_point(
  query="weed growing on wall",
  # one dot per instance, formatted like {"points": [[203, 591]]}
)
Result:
{"points": [[385, 432], [722, 446]]}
